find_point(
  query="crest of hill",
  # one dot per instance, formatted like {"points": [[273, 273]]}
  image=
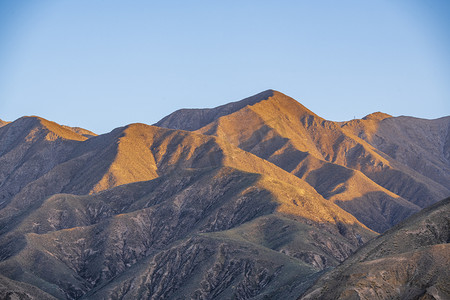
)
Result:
{"points": [[54, 130], [193, 119], [36, 126], [30, 148], [422, 145], [377, 116], [29, 142], [60, 131], [366, 127], [80, 131], [3, 123]]}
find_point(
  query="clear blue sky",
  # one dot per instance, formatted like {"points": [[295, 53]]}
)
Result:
{"points": [[103, 64]]}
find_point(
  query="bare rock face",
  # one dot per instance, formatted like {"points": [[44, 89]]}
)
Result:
{"points": [[410, 261]]}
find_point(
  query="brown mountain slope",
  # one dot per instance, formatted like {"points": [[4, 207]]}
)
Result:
{"points": [[281, 127], [123, 156], [137, 152], [90, 240], [3, 123], [29, 148], [282, 131], [81, 131], [423, 145], [143, 190], [410, 261], [201, 117]]}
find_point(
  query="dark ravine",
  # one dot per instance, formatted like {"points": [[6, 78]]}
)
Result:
{"points": [[254, 199]]}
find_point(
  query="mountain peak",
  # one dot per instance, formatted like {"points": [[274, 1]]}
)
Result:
{"points": [[194, 119], [377, 116], [34, 124], [3, 123]]}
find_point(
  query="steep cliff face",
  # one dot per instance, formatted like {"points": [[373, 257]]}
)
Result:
{"points": [[410, 261]]}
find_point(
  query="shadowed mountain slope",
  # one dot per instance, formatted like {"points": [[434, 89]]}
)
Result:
{"points": [[209, 267], [79, 166], [129, 154], [10, 289], [423, 145], [91, 240], [410, 261], [29, 148], [284, 132]]}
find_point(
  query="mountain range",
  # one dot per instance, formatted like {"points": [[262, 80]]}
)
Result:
{"points": [[255, 199]]}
